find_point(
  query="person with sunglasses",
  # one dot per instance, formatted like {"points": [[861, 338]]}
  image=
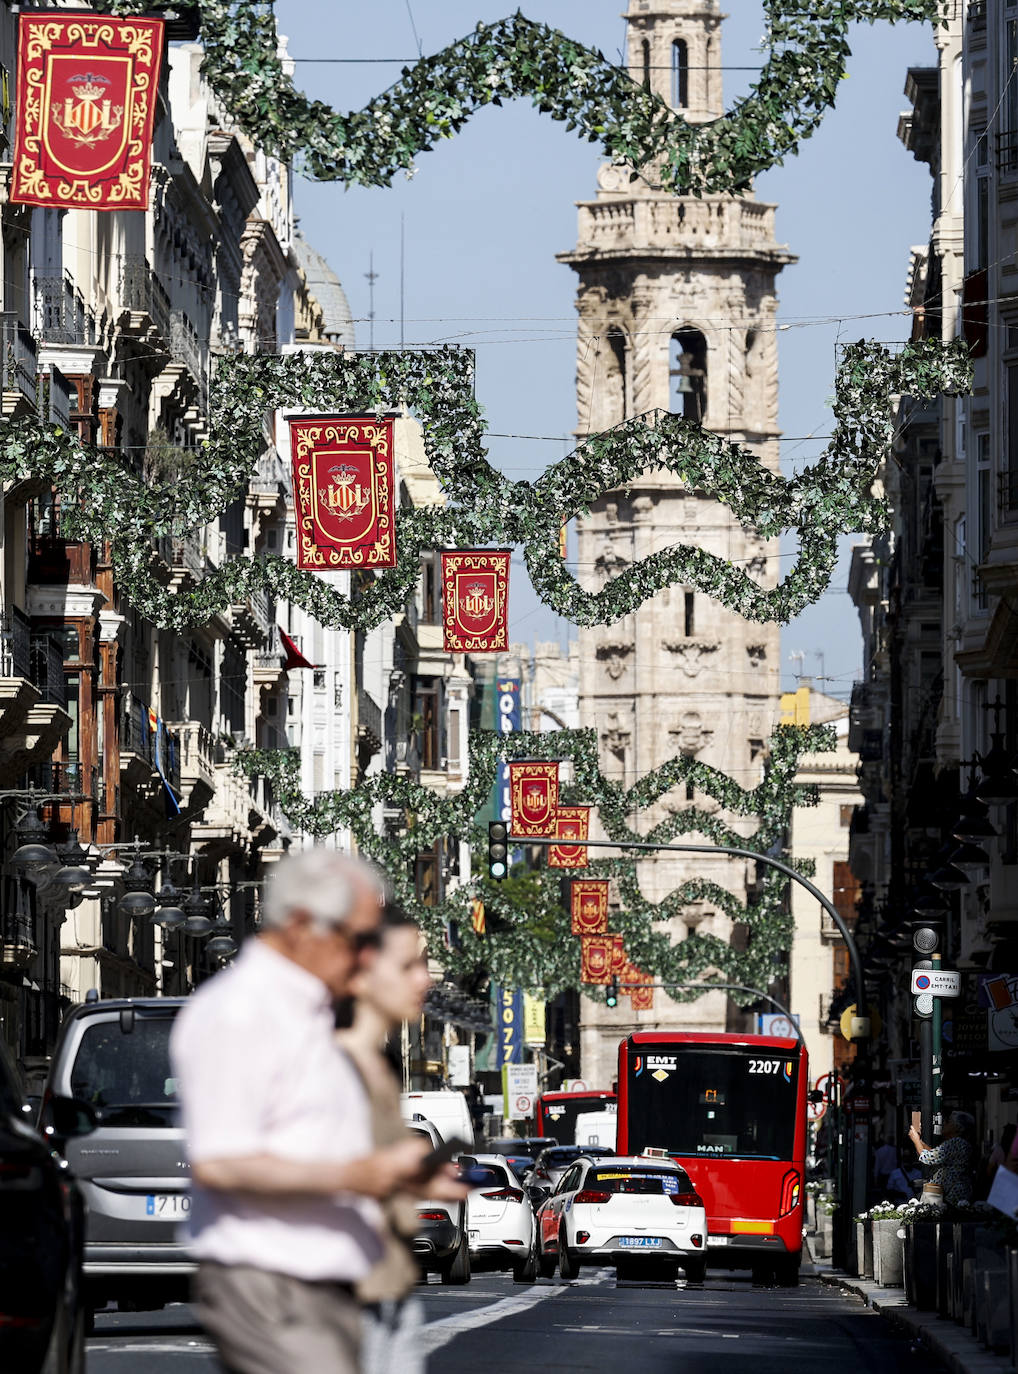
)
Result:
{"points": [[286, 1179]]}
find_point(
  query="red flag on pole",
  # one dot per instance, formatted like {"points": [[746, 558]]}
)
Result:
{"points": [[596, 959], [86, 103], [343, 492], [294, 657]]}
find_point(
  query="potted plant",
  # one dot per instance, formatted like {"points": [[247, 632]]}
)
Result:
{"points": [[826, 1208], [885, 1220], [864, 1246]]}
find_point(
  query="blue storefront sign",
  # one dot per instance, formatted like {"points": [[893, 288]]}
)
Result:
{"points": [[508, 1017]]}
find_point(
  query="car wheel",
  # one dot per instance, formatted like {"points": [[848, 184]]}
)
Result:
{"points": [[546, 1264], [527, 1271], [457, 1269], [568, 1265], [786, 1272], [695, 1270], [76, 1354]]}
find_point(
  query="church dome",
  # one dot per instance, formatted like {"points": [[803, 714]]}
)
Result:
{"points": [[325, 286]]}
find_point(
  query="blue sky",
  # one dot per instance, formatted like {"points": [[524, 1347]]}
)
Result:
{"points": [[485, 213]]}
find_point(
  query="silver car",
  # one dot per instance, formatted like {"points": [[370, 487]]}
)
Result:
{"points": [[132, 1169]]}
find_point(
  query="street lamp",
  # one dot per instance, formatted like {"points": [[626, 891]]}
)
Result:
{"points": [[196, 917], [34, 854], [138, 899], [168, 913]]}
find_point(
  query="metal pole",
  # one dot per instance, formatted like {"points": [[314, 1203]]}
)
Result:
{"points": [[926, 1077], [936, 1073], [727, 987], [828, 906]]}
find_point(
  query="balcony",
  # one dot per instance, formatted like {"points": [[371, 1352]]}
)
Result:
{"points": [[184, 555], [238, 818], [20, 364], [46, 668], [199, 755], [369, 727], [186, 348], [148, 749], [269, 668], [71, 780], [61, 316], [33, 720], [145, 303], [55, 398], [15, 645], [252, 622]]}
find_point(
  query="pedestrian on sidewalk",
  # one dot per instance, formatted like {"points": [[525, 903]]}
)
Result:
{"points": [[952, 1160], [388, 991], [286, 1182], [885, 1161]]}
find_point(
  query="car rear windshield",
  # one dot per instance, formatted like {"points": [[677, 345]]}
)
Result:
{"points": [[641, 1181], [565, 1154], [126, 1075], [494, 1177]]}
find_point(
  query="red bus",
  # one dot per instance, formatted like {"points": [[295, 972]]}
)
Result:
{"points": [[557, 1112], [731, 1109]]}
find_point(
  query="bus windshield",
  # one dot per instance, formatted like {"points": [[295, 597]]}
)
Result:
{"points": [[732, 1102], [559, 1118]]}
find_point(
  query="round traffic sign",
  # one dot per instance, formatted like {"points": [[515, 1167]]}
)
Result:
{"points": [[815, 1110], [922, 982], [524, 1105]]}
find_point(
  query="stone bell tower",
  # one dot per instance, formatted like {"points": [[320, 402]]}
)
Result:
{"points": [[676, 301]]}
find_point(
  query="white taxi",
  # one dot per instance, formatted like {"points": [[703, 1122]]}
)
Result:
{"points": [[632, 1212], [500, 1219]]}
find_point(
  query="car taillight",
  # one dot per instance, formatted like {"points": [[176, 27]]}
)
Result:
{"points": [[505, 1195], [686, 1199], [790, 1185], [19, 1175], [432, 1216], [592, 1195], [541, 1173]]}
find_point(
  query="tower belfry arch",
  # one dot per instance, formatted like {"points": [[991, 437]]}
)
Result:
{"points": [[676, 302]]}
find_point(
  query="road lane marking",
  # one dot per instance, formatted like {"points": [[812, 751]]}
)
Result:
{"points": [[437, 1334]]}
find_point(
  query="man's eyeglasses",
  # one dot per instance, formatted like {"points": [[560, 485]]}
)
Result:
{"points": [[361, 940]]}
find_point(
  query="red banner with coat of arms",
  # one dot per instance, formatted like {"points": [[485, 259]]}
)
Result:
{"points": [[86, 103], [533, 798], [475, 601], [588, 901], [343, 492], [638, 987], [571, 823], [596, 953]]}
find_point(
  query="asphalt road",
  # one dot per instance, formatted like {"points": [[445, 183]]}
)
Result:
{"points": [[725, 1327]]}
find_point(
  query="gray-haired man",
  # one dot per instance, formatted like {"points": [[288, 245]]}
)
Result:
{"points": [[284, 1219]]}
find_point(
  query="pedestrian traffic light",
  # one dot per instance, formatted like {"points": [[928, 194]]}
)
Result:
{"points": [[498, 851], [612, 995]]}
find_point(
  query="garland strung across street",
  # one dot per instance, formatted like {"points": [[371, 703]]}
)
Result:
{"points": [[536, 946], [806, 50], [104, 501]]}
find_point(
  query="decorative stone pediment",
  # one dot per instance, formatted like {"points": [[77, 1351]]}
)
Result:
{"points": [[690, 734], [691, 654], [611, 560], [614, 735], [613, 658]]}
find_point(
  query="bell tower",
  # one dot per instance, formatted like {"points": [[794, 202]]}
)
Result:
{"points": [[677, 307]]}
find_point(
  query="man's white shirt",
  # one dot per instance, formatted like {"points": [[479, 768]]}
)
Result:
{"points": [[259, 1072]]}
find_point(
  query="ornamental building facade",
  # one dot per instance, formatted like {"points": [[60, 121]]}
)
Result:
{"points": [[676, 301]]}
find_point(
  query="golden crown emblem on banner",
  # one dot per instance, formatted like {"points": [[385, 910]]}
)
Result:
{"points": [[477, 602], [86, 120], [345, 497]]}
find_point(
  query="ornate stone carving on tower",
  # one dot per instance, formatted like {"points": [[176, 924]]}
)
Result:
{"points": [[676, 300]]}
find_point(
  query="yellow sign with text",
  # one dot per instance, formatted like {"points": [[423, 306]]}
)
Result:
{"points": [[534, 1032]]}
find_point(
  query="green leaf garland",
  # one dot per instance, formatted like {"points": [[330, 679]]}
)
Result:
{"points": [[538, 949], [834, 495], [805, 42]]}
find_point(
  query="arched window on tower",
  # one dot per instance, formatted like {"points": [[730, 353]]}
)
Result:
{"points": [[687, 370], [680, 74], [614, 403], [646, 64]]}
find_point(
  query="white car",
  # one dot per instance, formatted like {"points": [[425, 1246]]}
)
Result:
{"points": [[635, 1212], [500, 1220]]}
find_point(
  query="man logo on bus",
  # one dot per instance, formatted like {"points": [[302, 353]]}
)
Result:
{"points": [[788, 1071], [637, 1065]]}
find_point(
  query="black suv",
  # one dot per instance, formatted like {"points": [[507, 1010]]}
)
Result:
{"points": [[42, 1320]]}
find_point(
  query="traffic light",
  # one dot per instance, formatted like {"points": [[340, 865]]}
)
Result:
{"points": [[498, 851], [611, 997], [925, 941]]}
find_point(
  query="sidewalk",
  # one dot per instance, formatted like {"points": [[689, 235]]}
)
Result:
{"points": [[952, 1344]]}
